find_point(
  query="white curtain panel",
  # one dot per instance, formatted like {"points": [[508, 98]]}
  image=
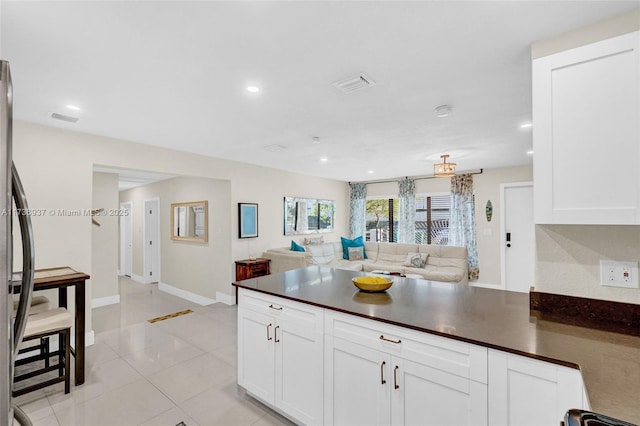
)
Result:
{"points": [[462, 226], [407, 211], [358, 209]]}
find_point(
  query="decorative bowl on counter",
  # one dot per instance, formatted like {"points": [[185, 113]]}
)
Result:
{"points": [[372, 284]]}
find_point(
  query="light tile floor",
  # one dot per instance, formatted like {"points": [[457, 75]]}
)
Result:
{"points": [[181, 369]]}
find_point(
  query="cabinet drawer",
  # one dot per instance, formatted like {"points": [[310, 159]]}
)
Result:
{"points": [[455, 357], [258, 269], [282, 309]]}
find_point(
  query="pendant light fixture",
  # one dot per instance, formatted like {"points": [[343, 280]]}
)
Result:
{"points": [[444, 169]]}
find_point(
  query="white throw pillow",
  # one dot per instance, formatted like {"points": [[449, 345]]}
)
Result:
{"points": [[313, 241], [416, 260], [356, 253]]}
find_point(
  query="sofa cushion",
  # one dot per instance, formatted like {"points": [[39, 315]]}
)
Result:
{"points": [[321, 254], [356, 242], [415, 260], [351, 265], [443, 273], [395, 252], [296, 247]]}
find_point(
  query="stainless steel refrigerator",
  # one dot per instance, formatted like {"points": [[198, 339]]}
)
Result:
{"points": [[13, 206]]}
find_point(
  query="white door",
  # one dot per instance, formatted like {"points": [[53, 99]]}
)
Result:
{"points": [[518, 236], [151, 241], [357, 384], [126, 240]]}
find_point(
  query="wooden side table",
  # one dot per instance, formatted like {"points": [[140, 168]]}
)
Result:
{"points": [[248, 268]]}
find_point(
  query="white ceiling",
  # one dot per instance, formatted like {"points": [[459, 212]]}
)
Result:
{"points": [[173, 74]]}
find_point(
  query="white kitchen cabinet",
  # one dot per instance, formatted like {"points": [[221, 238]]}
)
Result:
{"points": [[586, 128], [376, 374], [280, 354], [525, 391]]}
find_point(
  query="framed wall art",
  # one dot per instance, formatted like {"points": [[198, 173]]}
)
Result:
{"points": [[247, 220]]}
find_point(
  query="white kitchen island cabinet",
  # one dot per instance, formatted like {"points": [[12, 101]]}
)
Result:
{"points": [[380, 374], [586, 128], [280, 344], [315, 349], [526, 391]]}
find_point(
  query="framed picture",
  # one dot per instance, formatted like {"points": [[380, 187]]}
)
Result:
{"points": [[247, 220]]}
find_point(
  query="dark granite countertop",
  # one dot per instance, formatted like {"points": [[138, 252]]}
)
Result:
{"points": [[610, 362]]}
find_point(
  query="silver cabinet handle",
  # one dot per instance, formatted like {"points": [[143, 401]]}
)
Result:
{"points": [[28, 255], [276, 333], [389, 340], [382, 380], [269, 337]]}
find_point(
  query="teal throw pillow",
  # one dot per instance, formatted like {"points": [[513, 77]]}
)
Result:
{"points": [[296, 247], [356, 242]]}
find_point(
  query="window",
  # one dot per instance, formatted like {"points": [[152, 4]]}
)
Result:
{"points": [[432, 219]]}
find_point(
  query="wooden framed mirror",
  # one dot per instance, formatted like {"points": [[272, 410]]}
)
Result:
{"points": [[190, 221]]}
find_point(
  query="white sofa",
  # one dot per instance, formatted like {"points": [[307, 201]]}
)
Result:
{"points": [[444, 263]]}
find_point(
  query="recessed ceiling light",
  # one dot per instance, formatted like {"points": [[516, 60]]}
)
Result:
{"points": [[315, 139], [530, 152], [324, 159], [73, 107], [525, 125], [370, 172], [253, 89]]}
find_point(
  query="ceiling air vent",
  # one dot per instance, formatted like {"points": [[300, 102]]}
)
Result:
{"points": [[351, 84], [57, 116]]}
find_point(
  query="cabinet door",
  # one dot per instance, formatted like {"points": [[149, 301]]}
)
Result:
{"points": [[586, 127], [256, 354], [424, 396], [525, 391], [299, 367], [357, 384]]}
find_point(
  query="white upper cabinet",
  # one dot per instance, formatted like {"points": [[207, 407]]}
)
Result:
{"points": [[586, 134]]}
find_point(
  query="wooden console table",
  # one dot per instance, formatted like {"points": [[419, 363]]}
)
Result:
{"points": [[251, 268], [62, 278]]}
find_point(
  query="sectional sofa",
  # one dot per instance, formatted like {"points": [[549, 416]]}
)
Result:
{"points": [[442, 263]]}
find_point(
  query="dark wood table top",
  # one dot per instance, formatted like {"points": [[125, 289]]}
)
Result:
{"points": [[610, 362]]}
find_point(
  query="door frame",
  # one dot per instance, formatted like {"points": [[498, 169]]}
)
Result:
{"points": [[145, 266], [503, 227], [128, 205]]}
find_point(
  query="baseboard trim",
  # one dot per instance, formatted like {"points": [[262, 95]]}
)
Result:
{"points": [[89, 338], [138, 278], [485, 285], [225, 298], [104, 301], [184, 294]]}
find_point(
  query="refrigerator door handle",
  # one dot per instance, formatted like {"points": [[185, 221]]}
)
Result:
{"points": [[28, 257]]}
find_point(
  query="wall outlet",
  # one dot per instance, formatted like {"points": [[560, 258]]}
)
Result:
{"points": [[619, 274]]}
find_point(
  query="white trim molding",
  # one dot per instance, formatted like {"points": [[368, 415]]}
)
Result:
{"points": [[104, 301], [184, 294], [137, 278], [225, 298]]}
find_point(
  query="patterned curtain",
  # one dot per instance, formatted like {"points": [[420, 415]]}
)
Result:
{"points": [[407, 211], [358, 214], [462, 226]]}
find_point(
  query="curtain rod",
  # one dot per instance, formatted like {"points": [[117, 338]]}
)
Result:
{"points": [[479, 172]]}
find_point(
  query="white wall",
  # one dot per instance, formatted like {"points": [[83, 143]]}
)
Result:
{"points": [[199, 268], [57, 170], [104, 238], [486, 187]]}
